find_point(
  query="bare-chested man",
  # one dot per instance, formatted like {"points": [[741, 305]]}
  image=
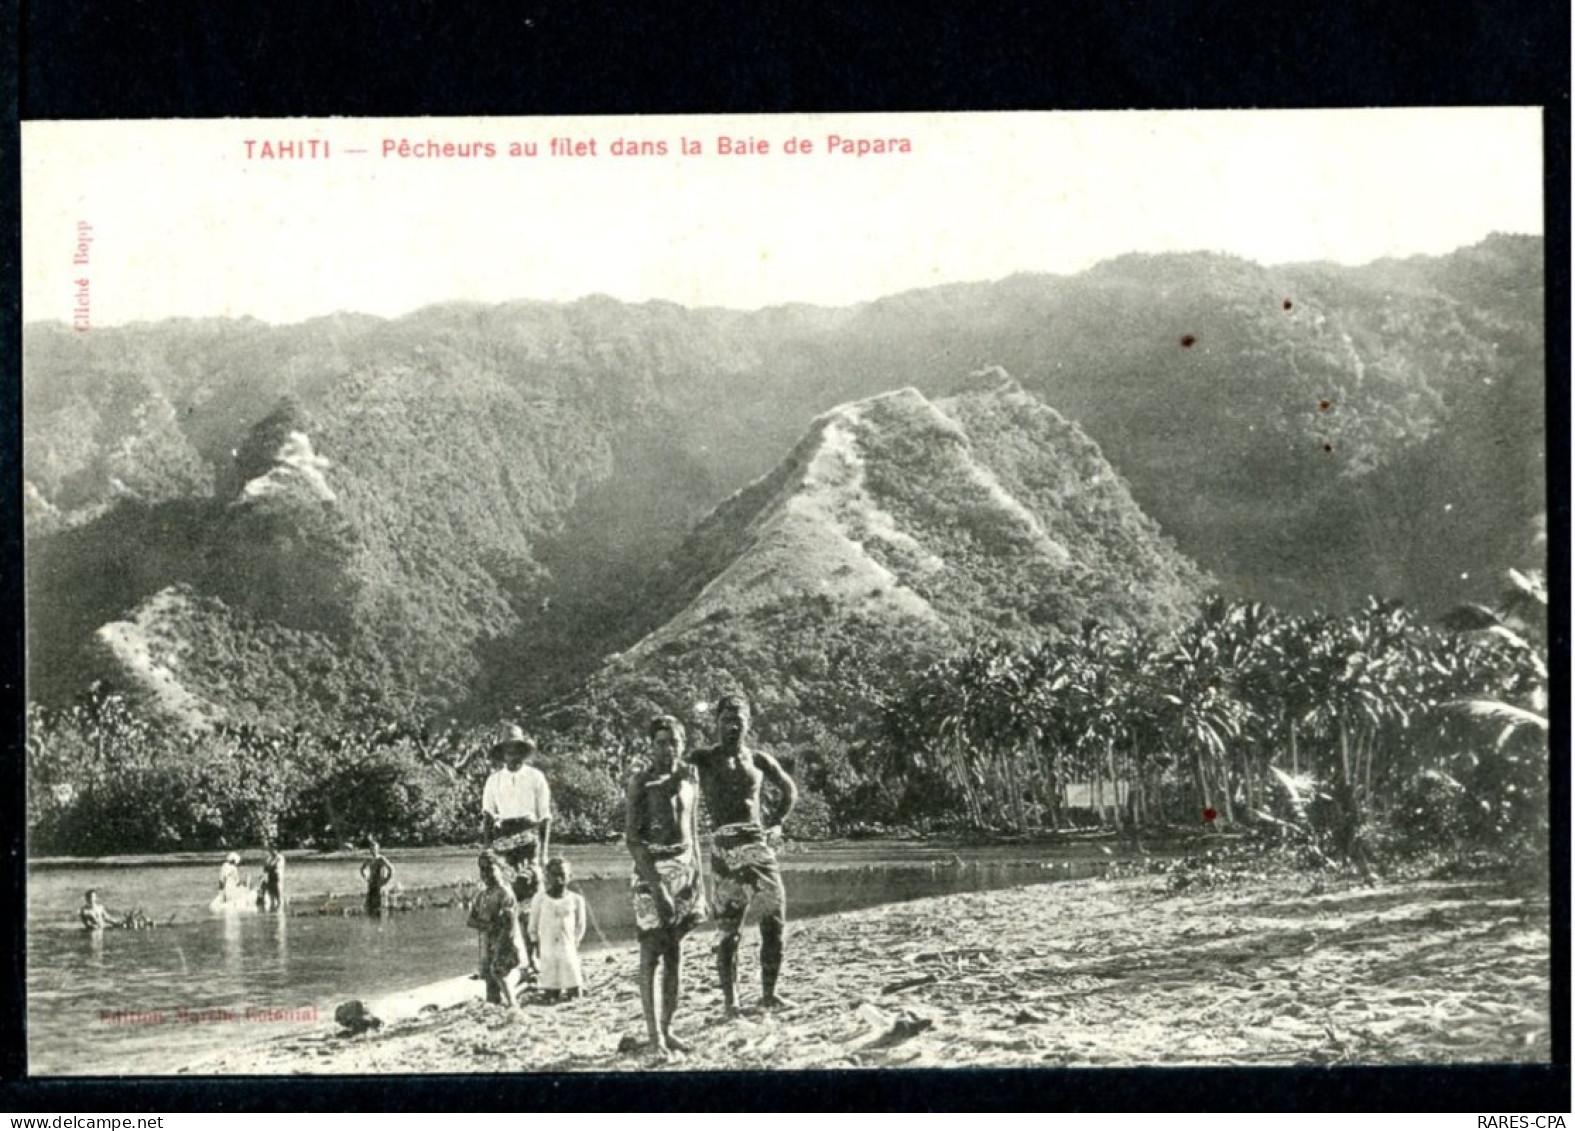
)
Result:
{"points": [[743, 865], [661, 828]]}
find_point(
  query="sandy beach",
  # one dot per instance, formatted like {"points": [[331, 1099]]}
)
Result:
{"points": [[1117, 972]]}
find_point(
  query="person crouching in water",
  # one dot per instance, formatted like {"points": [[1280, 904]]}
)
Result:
{"points": [[496, 915], [661, 829], [94, 915], [557, 924]]}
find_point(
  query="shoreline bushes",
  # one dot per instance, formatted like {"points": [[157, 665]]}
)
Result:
{"points": [[1362, 738]]}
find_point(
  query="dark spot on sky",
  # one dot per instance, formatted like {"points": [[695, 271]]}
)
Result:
{"points": [[1325, 405], [1286, 305], [1328, 449], [1188, 341]]}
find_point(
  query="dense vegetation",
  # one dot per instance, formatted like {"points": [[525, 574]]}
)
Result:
{"points": [[104, 777], [1356, 738], [1349, 736], [282, 579], [506, 478]]}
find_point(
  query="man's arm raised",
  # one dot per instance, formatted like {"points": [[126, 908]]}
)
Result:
{"points": [[777, 776]]}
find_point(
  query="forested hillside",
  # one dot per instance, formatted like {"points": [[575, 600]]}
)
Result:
{"points": [[467, 509]]}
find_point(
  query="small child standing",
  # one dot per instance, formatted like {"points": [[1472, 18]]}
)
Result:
{"points": [[557, 924], [496, 915]]}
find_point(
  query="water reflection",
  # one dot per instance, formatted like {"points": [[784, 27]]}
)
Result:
{"points": [[232, 943], [202, 962], [281, 938]]}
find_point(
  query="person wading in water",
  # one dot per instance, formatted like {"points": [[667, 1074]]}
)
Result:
{"points": [[270, 894], [378, 874]]}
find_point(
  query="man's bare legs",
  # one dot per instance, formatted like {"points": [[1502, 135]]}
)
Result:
{"points": [[772, 928], [665, 948], [651, 952], [672, 969], [729, 927]]}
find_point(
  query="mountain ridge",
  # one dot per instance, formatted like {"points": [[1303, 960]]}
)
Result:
{"points": [[886, 538], [507, 476]]}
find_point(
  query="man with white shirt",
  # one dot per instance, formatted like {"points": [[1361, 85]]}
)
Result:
{"points": [[516, 806]]}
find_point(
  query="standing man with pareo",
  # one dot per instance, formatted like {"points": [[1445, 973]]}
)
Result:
{"points": [[516, 806], [744, 868]]}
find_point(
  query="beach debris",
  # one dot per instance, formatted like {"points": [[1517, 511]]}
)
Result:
{"points": [[910, 983], [763, 1046], [875, 1018], [906, 1026], [628, 1045], [354, 1016], [1028, 1017]]}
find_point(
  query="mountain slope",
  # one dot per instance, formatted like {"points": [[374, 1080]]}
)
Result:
{"points": [[897, 528], [505, 479]]}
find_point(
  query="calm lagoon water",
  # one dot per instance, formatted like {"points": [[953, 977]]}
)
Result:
{"points": [[147, 1002]]}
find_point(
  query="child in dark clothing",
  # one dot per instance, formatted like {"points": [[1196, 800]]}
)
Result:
{"points": [[496, 915]]}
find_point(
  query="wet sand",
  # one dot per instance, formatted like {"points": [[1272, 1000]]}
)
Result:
{"points": [[1099, 972]]}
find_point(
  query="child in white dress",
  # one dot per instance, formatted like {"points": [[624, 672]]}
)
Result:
{"points": [[557, 924]]}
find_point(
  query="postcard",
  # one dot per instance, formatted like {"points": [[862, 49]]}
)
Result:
{"points": [[786, 592]]}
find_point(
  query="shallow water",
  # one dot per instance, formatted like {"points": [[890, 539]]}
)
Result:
{"points": [[149, 1001]]}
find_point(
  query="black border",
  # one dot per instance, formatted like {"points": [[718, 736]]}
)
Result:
{"points": [[196, 58]]}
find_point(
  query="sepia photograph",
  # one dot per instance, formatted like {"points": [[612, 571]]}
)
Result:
{"points": [[785, 592]]}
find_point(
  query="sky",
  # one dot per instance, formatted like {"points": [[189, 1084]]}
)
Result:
{"points": [[179, 219]]}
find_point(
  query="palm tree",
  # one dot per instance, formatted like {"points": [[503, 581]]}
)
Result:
{"points": [[924, 731], [1248, 652], [1199, 705], [1143, 726], [1003, 724], [1520, 623], [1508, 683]]}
